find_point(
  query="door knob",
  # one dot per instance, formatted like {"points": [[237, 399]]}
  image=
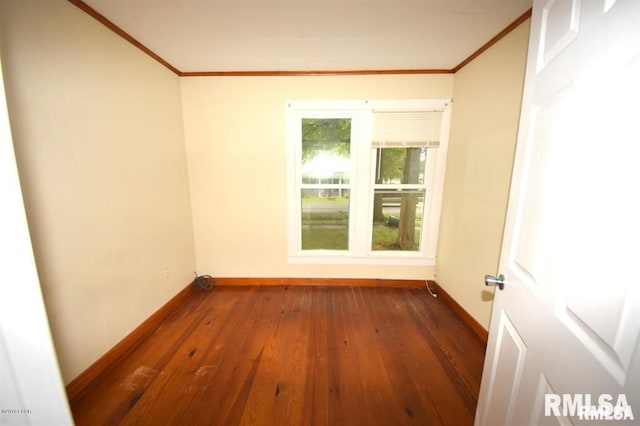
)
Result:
{"points": [[490, 280]]}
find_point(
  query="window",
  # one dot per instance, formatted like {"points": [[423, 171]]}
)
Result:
{"points": [[365, 180]]}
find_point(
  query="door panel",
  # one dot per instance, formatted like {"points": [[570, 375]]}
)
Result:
{"points": [[560, 22], [509, 362], [538, 417]]}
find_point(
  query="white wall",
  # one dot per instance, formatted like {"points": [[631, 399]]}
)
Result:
{"points": [[97, 128], [102, 154], [236, 150], [486, 109]]}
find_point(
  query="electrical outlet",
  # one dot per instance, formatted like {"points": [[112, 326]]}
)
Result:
{"points": [[165, 273]]}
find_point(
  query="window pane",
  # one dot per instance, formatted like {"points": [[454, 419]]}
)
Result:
{"points": [[400, 165], [397, 219], [326, 147], [325, 219]]}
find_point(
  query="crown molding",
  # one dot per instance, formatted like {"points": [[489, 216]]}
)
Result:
{"points": [[122, 33], [310, 73], [512, 26]]}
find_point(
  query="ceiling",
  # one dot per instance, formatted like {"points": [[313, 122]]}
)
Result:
{"points": [[311, 35]]}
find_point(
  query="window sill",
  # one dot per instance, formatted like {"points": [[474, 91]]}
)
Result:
{"points": [[366, 260]]}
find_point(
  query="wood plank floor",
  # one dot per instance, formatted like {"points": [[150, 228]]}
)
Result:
{"points": [[248, 355]]}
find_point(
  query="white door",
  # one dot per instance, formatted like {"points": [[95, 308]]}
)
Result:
{"points": [[568, 319]]}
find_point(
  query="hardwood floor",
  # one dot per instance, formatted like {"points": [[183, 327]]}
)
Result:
{"points": [[295, 356]]}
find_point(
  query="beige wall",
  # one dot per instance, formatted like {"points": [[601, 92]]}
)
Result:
{"points": [[103, 155], [97, 128], [236, 150], [486, 110]]}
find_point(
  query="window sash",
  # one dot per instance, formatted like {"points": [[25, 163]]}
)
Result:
{"points": [[325, 185], [300, 185], [398, 186]]}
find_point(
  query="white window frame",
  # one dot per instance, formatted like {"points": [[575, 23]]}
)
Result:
{"points": [[362, 181]]}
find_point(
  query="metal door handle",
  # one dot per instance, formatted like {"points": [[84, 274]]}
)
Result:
{"points": [[490, 280]]}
